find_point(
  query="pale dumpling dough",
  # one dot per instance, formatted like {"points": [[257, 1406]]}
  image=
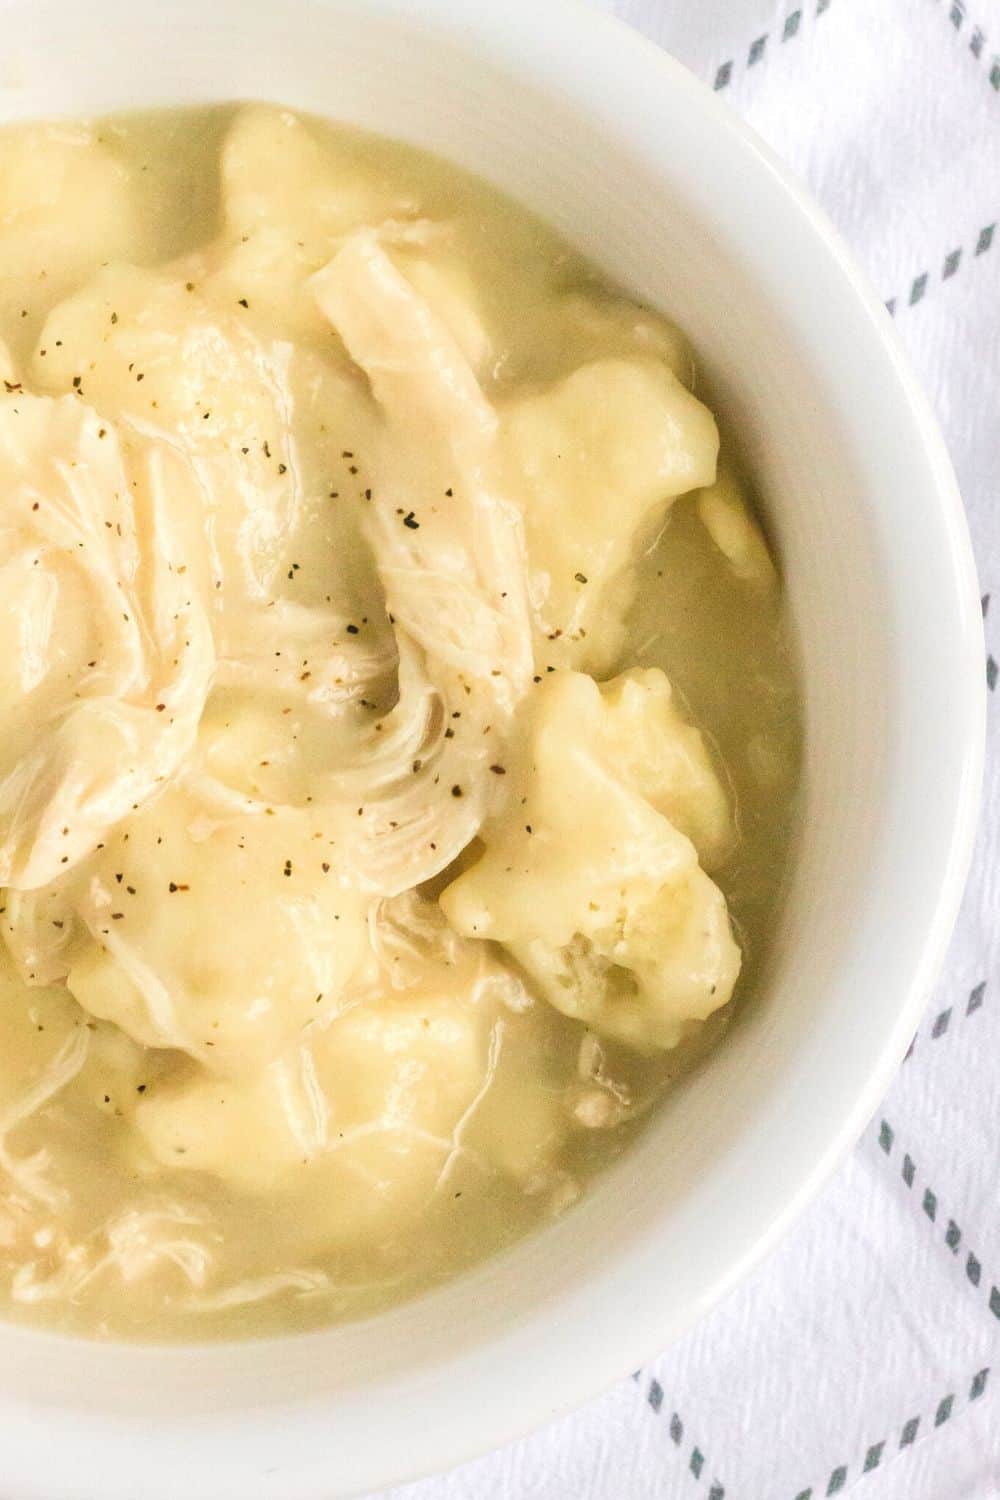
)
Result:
{"points": [[374, 1107], [593, 461], [284, 224], [375, 1096], [727, 518], [53, 177], [643, 736], [281, 224], [217, 937], [598, 895]]}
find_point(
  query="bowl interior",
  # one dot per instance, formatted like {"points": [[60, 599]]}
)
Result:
{"points": [[643, 170]]}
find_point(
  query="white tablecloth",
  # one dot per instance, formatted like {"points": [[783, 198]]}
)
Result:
{"points": [[865, 1354]]}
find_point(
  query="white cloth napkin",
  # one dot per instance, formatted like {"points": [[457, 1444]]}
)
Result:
{"points": [[865, 1354]]}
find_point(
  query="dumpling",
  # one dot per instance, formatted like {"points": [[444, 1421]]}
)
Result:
{"points": [[52, 176], [640, 732], [288, 199], [221, 937], [277, 172], [376, 1109], [106, 651], [727, 518], [597, 895], [593, 461], [380, 1088]]}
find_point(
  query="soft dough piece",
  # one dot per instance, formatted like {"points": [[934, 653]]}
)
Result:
{"points": [[374, 1111], [641, 734], [379, 1090], [728, 519], [53, 177], [597, 895], [593, 460], [105, 652], [221, 937], [276, 172], [288, 199]]}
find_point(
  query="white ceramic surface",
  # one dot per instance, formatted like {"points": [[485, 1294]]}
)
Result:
{"points": [[643, 168]]}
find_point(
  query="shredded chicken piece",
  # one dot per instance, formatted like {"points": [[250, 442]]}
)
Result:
{"points": [[274, 639], [458, 1146], [81, 750], [29, 1173], [135, 1244], [449, 547], [305, 1283]]}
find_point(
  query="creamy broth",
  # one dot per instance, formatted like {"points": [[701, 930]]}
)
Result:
{"points": [[398, 725]]}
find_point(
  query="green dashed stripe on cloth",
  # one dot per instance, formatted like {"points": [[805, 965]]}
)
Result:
{"points": [[941, 1024], [956, 14], [992, 670], [888, 1447], [950, 266], [919, 287], [757, 50], [696, 1460], [910, 1429], [791, 27], [952, 1234]]}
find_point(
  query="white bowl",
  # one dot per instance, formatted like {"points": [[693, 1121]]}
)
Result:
{"points": [[644, 169]]}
